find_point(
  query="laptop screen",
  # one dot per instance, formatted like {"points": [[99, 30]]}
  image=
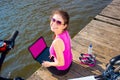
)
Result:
{"points": [[37, 47]]}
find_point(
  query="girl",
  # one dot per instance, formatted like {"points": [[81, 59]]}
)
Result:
{"points": [[60, 49]]}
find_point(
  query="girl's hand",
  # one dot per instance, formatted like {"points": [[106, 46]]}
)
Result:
{"points": [[46, 64]]}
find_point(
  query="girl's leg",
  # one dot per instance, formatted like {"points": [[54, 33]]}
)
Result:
{"points": [[55, 71]]}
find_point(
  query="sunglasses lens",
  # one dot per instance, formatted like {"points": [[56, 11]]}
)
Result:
{"points": [[58, 22], [53, 20]]}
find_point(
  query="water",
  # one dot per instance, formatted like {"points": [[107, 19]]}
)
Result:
{"points": [[31, 18]]}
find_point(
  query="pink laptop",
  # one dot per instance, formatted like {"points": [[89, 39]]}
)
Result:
{"points": [[37, 47]]}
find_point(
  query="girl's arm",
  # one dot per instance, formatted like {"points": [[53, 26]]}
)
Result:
{"points": [[59, 47]]}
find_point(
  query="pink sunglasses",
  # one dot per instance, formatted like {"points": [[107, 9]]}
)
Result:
{"points": [[57, 21]]}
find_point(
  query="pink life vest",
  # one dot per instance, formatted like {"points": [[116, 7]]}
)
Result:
{"points": [[67, 52]]}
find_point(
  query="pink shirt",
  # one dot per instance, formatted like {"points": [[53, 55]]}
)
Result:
{"points": [[66, 53]]}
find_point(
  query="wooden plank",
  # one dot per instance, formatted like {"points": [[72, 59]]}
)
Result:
{"points": [[116, 2], [108, 20], [42, 74], [105, 26], [85, 70], [112, 10]]}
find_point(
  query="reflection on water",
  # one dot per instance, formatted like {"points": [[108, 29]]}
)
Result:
{"points": [[31, 18]]}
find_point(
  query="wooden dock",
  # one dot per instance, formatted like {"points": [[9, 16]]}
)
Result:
{"points": [[104, 34]]}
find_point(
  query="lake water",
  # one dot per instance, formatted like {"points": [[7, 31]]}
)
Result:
{"points": [[31, 19]]}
